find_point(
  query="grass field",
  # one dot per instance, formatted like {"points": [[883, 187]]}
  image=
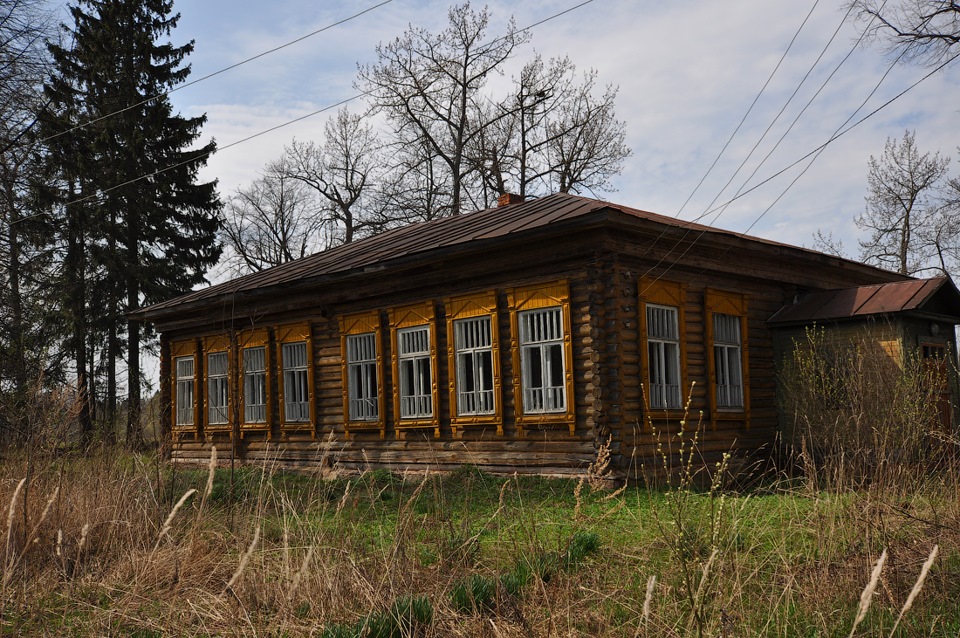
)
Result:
{"points": [[113, 544]]}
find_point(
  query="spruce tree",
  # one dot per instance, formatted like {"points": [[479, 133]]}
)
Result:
{"points": [[151, 227]]}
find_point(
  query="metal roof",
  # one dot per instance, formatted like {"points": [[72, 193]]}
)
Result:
{"points": [[876, 299], [416, 239]]}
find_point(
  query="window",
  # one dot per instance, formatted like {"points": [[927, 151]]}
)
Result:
{"points": [[727, 361], [663, 353], [183, 391], [541, 360], [362, 372], [255, 386], [474, 355], [474, 361], [217, 359], [542, 355], [726, 357], [416, 396], [185, 397], [296, 403], [218, 390], [414, 368], [296, 377], [663, 356]]}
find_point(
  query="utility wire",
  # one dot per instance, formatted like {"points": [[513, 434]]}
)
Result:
{"points": [[215, 73], [754, 103], [278, 126]]}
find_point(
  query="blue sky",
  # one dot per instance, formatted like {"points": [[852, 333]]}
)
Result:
{"points": [[687, 74]]}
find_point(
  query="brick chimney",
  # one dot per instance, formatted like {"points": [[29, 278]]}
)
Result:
{"points": [[508, 198]]}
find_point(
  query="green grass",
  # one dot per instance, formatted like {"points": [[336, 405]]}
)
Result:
{"points": [[381, 555]]}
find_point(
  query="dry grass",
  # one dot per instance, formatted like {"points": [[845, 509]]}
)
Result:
{"points": [[110, 544]]}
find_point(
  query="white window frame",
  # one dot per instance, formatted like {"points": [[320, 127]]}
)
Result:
{"points": [[218, 388], [254, 385], [296, 382], [728, 361], [362, 384], [186, 399], [663, 352], [416, 398], [473, 338], [541, 340]]}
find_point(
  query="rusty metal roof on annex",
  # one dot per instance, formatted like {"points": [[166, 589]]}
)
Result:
{"points": [[862, 301], [425, 237]]}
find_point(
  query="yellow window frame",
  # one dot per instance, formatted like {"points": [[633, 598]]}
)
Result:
{"points": [[651, 290], [482, 304], [180, 350], [545, 295], [295, 333], [212, 345], [414, 315], [734, 304], [257, 338], [357, 324]]}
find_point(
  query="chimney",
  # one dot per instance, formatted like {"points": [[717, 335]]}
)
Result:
{"points": [[508, 198]]}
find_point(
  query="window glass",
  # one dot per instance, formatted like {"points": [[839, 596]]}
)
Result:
{"points": [[185, 379], [362, 376], [296, 387], [255, 385], [542, 360], [416, 387], [726, 353], [217, 388], [474, 356], [663, 352]]}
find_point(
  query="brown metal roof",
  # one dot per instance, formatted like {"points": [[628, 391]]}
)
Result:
{"points": [[877, 299], [383, 249]]}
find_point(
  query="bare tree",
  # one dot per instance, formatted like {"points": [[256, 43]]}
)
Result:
{"points": [[343, 173], [554, 134], [273, 221], [909, 229], [427, 86], [922, 30]]}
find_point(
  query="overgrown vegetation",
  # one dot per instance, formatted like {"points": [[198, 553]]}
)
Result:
{"points": [[113, 544]]}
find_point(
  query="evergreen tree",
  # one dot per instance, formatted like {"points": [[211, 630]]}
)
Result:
{"points": [[128, 176]]}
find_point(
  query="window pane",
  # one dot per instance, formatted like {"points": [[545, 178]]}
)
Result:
{"points": [[217, 390], [416, 385], [296, 390], [362, 377], [184, 390], [473, 344], [543, 371], [254, 385]]}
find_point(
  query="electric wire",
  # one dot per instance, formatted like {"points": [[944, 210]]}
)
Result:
{"points": [[750, 108], [271, 129], [215, 73]]}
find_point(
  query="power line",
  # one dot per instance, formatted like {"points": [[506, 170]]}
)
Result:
{"points": [[215, 73], [752, 104], [284, 124]]}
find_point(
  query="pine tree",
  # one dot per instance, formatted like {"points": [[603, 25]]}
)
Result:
{"points": [[151, 228]]}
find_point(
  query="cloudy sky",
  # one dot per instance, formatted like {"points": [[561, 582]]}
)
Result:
{"points": [[687, 72]]}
